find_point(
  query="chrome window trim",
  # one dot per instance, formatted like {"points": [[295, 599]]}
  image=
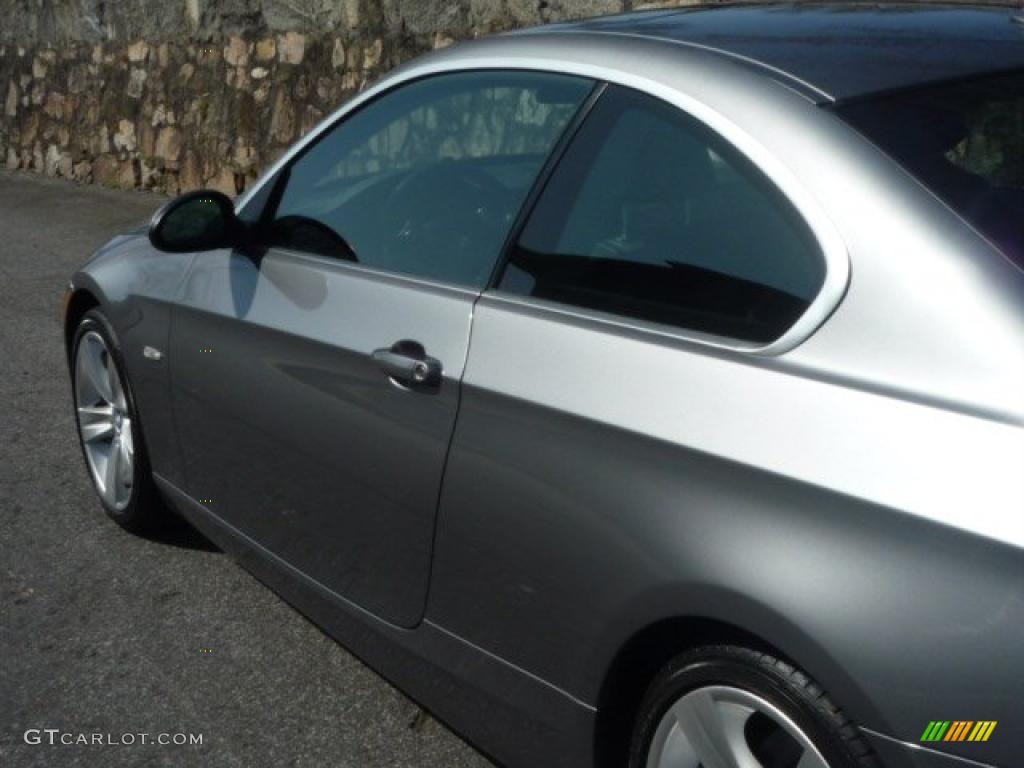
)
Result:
{"points": [[833, 248]]}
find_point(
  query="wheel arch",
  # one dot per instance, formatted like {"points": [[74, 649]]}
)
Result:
{"points": [[637, 660], [82, 300], [636, 664]]}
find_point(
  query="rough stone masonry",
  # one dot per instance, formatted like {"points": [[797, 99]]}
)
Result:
{"points": [[179, 94]]}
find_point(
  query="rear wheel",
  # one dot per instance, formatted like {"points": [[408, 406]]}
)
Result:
{"points": [[108, 427], [733, 707]]}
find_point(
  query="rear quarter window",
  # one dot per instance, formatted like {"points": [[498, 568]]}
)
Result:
{"points": [[650, 215]]}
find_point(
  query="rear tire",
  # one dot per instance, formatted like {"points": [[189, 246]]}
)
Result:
{"points": [[109, 429], [760, 710]]}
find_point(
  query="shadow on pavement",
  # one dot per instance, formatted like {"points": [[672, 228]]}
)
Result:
{"points": [[176, 532]]}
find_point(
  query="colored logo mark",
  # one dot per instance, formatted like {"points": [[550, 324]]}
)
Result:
{"points": [[958, 730]]}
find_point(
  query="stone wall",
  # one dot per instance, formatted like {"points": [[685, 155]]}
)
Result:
{"points": [[178, 95], [177, 114]]}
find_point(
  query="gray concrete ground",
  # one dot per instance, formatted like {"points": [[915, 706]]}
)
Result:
{"points": [[103, 632]]}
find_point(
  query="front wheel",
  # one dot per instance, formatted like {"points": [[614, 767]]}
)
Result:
{"points": [[109, 430], [733, 707]]}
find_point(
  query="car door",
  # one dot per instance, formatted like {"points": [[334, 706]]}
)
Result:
{"points": [[316, 372]]}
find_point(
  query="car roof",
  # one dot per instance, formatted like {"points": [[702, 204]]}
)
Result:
{"points": [[841, 50]]}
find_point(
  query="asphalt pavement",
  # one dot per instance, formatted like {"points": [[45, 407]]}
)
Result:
{"points": [[104, 634]]}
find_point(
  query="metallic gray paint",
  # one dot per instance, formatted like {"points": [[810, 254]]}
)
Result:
{"points": [[294, 432], [507, 712], [852, 497]]}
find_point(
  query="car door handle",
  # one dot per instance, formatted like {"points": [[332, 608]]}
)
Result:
{"points": [[408, 363]]}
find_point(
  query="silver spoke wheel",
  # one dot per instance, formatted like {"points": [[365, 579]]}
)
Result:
{"points": [[103, 421], [726, 727]]}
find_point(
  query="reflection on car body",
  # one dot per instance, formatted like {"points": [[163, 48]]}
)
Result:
{"points": [[638, 391]]}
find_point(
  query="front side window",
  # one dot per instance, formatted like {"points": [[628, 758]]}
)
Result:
{"points": [[650, 215], [427, 179], [963, 140]]}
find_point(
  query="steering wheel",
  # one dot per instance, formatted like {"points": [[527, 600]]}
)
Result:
{"points": [[440, 213]]}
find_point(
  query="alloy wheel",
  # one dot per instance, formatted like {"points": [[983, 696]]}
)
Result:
{"points": [[726, 727], [104, 421]]}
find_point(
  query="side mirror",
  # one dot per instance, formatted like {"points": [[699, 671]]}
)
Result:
{"points": [[196, 221]]}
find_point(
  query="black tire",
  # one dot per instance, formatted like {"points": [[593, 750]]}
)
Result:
{"points": [[785, 687], [145, 512]]}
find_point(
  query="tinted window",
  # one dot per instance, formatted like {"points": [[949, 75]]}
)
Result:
{"points": [[963, 140], [427, 179], [651, 216]]}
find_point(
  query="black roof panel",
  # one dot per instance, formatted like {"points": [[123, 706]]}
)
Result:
{"points": [[842, 49]]}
